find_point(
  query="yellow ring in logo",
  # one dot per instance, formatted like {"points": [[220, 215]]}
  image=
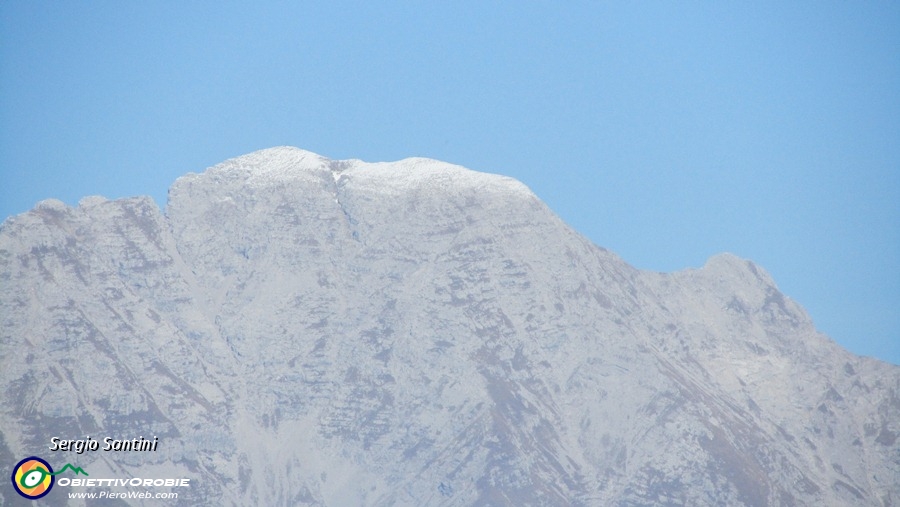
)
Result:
{"points": [[31, 478]]}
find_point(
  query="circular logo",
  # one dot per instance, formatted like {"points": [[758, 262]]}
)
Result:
{"points": [[31, 478]]}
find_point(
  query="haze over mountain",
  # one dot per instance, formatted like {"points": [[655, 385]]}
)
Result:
{"points": [[305, 331]]}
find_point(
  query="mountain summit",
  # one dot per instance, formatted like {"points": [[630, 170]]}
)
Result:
{"points": [[303, 331]]}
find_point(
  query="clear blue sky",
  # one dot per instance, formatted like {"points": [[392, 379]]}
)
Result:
{"points": [[664, 131]]}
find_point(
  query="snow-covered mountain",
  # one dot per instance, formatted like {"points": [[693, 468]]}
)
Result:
{"points": [[303, 331]]}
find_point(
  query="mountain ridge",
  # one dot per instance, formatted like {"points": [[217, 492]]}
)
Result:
{"points": [[436, 338]]}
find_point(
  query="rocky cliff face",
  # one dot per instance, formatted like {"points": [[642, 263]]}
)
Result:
{"points": [[302, 331]]}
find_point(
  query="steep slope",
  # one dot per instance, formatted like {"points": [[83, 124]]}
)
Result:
{"points": [[298, 330]]}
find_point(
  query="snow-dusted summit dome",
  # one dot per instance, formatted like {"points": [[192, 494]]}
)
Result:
{"points": [[283, 164]]}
